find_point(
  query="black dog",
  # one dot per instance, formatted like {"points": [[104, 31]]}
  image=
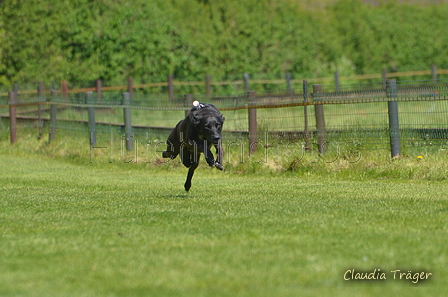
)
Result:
{"points": [[195, 135]]}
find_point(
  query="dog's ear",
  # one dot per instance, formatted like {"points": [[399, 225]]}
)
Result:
{"points": [[222, 117], [195, 120]]}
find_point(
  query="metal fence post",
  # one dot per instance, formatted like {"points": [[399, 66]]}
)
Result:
{"points": [[91, 115], [12, 117], [252, 116], [320, 120], [53, 112], [394, 127], [127, 121]]}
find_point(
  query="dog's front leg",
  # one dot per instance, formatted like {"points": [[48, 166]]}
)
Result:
{"points": [[219, 156], [208, 154]]}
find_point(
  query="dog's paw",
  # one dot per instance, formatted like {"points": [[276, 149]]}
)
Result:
{"points": [[219, 166], [211, 163]]}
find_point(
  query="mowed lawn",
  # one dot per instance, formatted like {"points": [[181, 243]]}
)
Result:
{"points": [[124, 230]]}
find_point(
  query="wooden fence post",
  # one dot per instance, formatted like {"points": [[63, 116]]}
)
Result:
{"points": [[336, 80], [246, 82], [130, 87], [208, 87], [40, 99], [320, 120], [64, 89], [91, 115], [434, 72], [394, 127], [170, 87], [306, 131], [384, 77], [252, 116], [288, 82], [98, 86], [188, 103], [53, 112], [12, 116], [127, 121]]}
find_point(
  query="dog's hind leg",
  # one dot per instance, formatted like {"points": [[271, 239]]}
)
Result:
{"points": [[172, 149], [191, 170], [185, 157]]}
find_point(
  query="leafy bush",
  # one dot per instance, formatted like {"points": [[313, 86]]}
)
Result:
{"points": [[84, 40]]}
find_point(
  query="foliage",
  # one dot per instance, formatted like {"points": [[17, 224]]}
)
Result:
{"points": [[83, 40], [397, 37]]}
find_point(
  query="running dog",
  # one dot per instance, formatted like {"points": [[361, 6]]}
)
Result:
{"points": [[194, 135]]}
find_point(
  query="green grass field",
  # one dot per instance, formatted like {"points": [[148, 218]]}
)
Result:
{"points": [[73, 228]]}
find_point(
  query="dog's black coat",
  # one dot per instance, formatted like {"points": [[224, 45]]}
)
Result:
{"points": [[195, 135]]}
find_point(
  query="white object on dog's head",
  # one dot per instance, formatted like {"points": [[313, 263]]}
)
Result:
{"points": [[196, 103]]}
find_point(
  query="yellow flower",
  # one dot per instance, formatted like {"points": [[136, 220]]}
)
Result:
{"points": [[419, 157]]}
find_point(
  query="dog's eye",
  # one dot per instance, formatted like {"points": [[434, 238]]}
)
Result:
{"points": [[218, 125], [208, 126]]}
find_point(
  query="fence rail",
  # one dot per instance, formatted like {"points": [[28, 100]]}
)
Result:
{"points": [[288, 81]]}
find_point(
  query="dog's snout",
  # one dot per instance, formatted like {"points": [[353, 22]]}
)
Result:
{"points": [[216, 138]]}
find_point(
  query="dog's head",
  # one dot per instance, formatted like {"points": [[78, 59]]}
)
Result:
{"points": [[208, 123]]}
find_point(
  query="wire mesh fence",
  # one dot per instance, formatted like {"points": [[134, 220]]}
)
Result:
{"points": [[353, 115]]}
